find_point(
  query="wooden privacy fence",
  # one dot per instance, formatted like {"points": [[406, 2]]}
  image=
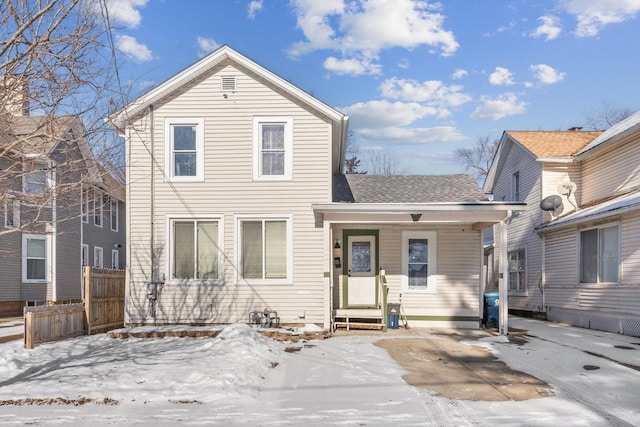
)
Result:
{"points": [[103, 309]]}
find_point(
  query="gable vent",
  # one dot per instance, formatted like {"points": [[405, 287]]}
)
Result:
{"points": [[228, 83]]}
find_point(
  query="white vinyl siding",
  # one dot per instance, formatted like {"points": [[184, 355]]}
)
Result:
{"points": [[36, 257], [229, 189], [184, 148]]}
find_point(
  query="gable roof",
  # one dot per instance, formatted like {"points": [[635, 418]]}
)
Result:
{"points": [[340, 121], [34, 135], [359, 188], [615, 133], [542, 145], [553, 143]]}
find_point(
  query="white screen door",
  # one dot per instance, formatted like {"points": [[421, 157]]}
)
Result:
{"points": [[362, 271]]}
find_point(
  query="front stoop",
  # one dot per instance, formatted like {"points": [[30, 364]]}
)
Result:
{"points": [[356, 318]]}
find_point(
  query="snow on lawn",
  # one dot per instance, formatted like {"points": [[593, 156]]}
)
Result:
{"points": [[175, 369]]}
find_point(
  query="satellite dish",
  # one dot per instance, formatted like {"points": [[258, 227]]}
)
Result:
{"points": [[551, 203], [566, 188]]}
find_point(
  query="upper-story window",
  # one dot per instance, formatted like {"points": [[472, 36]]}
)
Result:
{"points": [[515, 187], [600, 255], [11, 213], [272, 147], [184, 145], [114, 214], [97, 208], [36, 178], [517, 270]]}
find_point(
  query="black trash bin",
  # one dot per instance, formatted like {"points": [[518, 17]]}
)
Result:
{"points": [[491, 316], [393, 314]]}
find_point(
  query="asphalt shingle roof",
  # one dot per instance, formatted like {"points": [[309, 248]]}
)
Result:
{"points": [[554, 143], [357, 188]]}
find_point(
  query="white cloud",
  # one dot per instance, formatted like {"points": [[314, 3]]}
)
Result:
{"points": [[254, 7], [206, 45], [123, 12], [354, 67], [549, 28], [433, 92], [134, 50], [380, 114], [501, 77], [545, 74], [364, 28], [459, 73], [497, 108], [594, 15], [412, 136]]}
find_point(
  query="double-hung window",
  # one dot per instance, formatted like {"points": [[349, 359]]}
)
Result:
{"points": [[184, 147], [35, 258], [84, 205], [195, 249], [97, 208], [272, 147], [600, 255], [418, 260], [85, 254], [35, 180], [517, 271], [265, 250]]}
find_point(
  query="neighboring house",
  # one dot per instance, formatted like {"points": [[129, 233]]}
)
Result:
{"points": [[574, 254], [59, 211], [237, 203]]}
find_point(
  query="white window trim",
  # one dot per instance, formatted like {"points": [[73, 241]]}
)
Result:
{"points": [[288, 148], [170, 219], [84, 255], [112, 202], [521, 291], [579, 246], [98, 257], [12, 205], [432, 238], [84, 204], [516, 186], [115, 258], [238, 225], [47, 259], [98, 212], [168, 148]]}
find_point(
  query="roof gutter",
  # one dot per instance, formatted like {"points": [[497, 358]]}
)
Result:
{"points": [[417, 207], [549, 227]]}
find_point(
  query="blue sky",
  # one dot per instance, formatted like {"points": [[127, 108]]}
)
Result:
{"points": [[419, 79]]}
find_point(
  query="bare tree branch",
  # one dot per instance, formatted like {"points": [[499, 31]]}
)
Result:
{"points": [[477, 159]]}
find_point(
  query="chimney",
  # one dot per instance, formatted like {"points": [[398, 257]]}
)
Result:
{"points": [[575, 129], [14, 95]]}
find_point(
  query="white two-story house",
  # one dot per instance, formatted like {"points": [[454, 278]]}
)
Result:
{"points": [[237, 203]]}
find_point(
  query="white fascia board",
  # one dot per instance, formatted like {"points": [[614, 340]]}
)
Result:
{"points": [[418, 207], [560, 159]]}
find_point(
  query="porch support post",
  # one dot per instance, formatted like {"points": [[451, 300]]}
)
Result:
{"points": [[504, 277], [327, 257]]}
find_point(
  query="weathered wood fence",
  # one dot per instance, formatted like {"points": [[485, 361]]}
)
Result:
{"points": [[103, 309]]}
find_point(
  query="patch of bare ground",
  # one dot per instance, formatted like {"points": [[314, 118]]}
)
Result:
{"points": [[57, 401], [459, 371]]}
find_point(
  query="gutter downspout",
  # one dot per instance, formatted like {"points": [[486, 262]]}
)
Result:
{"points": [[154, 275], [504, 277], [54, 235]]}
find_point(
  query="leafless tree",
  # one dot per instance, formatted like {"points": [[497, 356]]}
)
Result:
{"points": [[385, 163], [352, 163], [607, 116], [477, 159], [56, 73]]}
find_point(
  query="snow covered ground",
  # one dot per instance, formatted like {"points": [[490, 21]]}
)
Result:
{"points": [[242, 378]]}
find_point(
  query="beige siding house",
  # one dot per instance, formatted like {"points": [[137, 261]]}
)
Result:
{"points": [[583, 226], [56, 207], [237, 204]]}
